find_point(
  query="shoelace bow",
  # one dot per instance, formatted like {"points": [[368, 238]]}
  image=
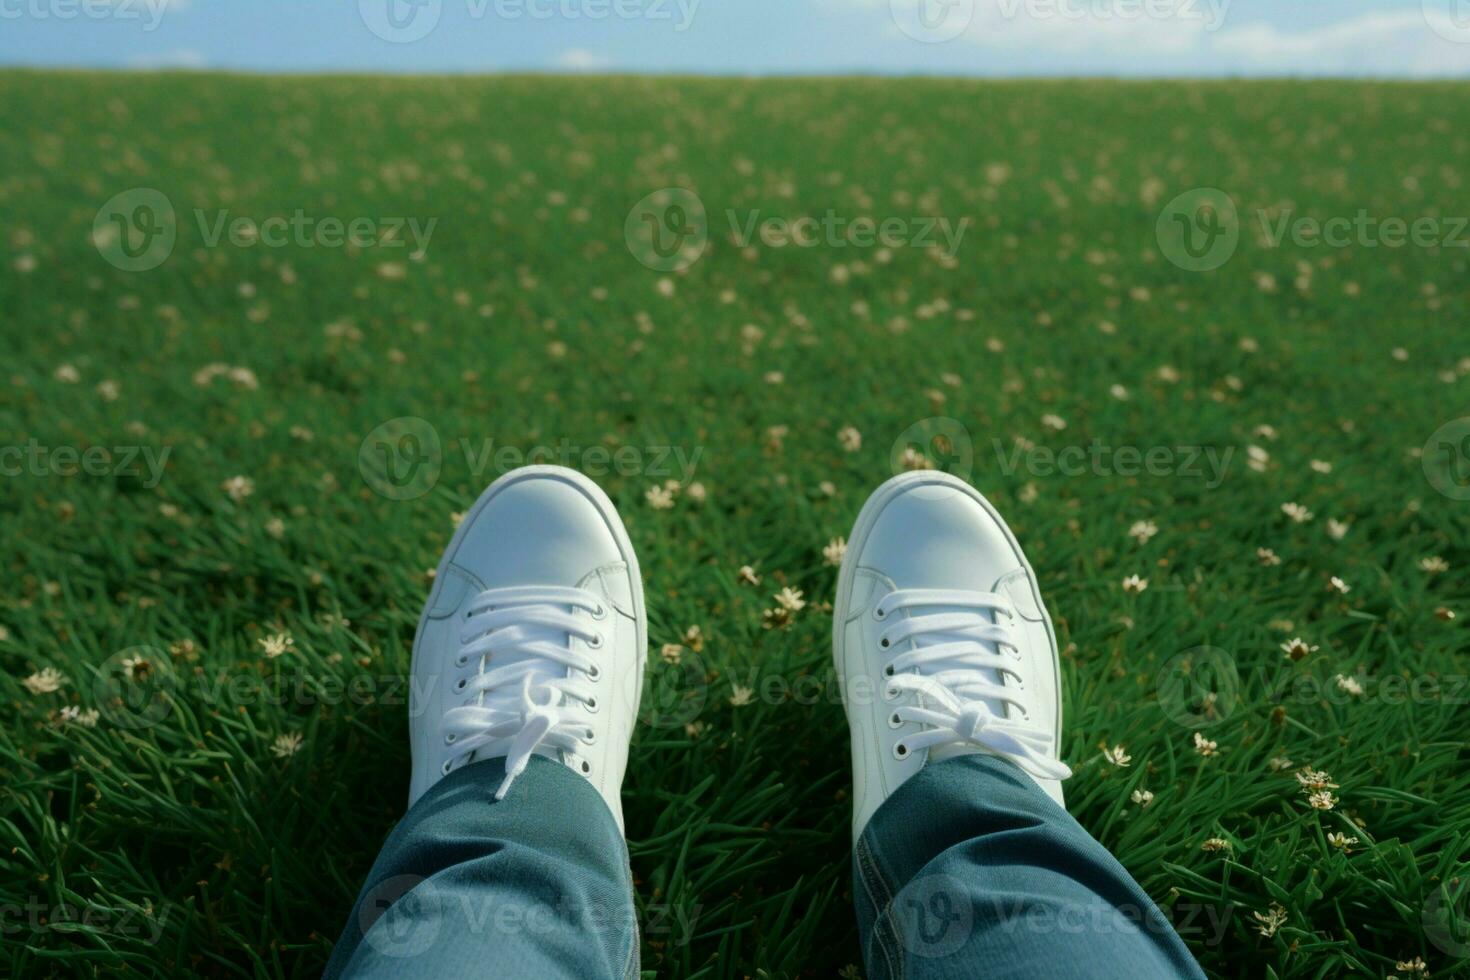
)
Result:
{"points": [[957, 677], [535, 686]]}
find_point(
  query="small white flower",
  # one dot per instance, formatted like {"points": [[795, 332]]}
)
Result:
{"points": [[790, 599], [834, 552], [74, 715], [1268, 922], [1434, 564], [1117, 755], [1141, 531], [1322, 800], [1142, 797], [748, 576], [1054, 422], [1134, 584], [1205, 746], [1336, 530], [671, 653], [1296, 512], [67, 374], [740, 696], [1320, 466], [1349, 685], [1338, 585], [850, 439], [1297, 648], [237, 488], [276, 644], [286, 745], [44, 681], [659, 498], [1342, 842], [1268, 557]]}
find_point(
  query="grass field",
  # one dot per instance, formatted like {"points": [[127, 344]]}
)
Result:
{"points": [[220, 812]]}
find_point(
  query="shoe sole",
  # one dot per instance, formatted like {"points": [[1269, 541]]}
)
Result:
{"points": [[868, 517]]}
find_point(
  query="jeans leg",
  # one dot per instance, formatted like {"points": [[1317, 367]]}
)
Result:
{"points": [[535, 885], [970, 870]]}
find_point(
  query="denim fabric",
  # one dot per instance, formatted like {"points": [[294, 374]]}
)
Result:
{"points": [[970, 870], [535, 885]]}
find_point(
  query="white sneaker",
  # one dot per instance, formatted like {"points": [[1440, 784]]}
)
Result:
{"points": [[534, 637], [942, 645]]}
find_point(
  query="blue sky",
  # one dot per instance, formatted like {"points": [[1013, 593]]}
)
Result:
{"points": [[1398, 38]]}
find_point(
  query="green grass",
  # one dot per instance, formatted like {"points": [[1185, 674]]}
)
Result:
{"points": [[198, 850]]}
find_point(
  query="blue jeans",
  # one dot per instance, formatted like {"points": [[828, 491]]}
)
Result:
{"points": [[968, 870]]}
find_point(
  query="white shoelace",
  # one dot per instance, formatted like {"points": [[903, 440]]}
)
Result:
{"points": [[532, 687], [958, 675]]}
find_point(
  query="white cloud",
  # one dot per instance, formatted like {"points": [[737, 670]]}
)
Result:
{"points": [[178, 58], [580, 59]]}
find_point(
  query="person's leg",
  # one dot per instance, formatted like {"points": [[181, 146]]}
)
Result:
{"points": [[527, 670], [969, 869], [965, 862], [534, 885]]}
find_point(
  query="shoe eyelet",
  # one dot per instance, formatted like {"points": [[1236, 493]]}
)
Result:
{"points": [[878, 613], [894, 721], [461, 684], [591, 704], [596, 642], [600, 612], [890, 694], [451, 738], [883, 643], [590, 738], [444, 769], [461, 660], [594, 673], [586, 767], [900, 751], [888, 670]]}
